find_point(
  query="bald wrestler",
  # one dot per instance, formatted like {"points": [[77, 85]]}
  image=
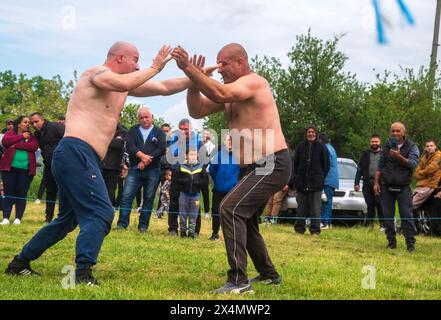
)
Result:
{"points": [[251, 112], [91, 120]]}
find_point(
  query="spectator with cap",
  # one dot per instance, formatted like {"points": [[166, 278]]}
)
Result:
{"points": [[311, 165]]}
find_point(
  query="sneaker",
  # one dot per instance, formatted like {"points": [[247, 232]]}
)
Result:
{"points": [[4, 222], [383, 229], [206, 216], [214, 237], [142, 230], [325, 227], [235, 288], [410, 247], [392, 245], [37, 201], [17, 221], [173, 233], [275, 281], [85, 277], [18, 267], [48, 219], [138, 210]]}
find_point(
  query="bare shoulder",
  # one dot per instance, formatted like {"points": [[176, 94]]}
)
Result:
{"points": [[90, 73], [254, 80]]}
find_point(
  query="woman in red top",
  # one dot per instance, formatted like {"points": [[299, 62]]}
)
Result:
{"points": [[18, 166]]}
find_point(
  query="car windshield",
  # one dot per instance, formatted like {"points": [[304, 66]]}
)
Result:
{"points": [[347, 170]]}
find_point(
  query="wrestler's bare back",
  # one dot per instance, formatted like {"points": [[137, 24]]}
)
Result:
{"points": [[92, 113]]}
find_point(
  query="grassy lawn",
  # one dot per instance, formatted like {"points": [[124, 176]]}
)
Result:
{"points": [[156, 266]]}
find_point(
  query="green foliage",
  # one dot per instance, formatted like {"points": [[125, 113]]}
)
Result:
{"points": [[138, 266], [315, 89], [20, 95]]}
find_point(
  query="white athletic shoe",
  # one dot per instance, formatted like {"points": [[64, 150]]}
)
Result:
{"points": [[38, 201], [17, 221], [4, 222]]}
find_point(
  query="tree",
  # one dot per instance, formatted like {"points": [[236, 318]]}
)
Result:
{"points": [[314, 89], [22, 96]]}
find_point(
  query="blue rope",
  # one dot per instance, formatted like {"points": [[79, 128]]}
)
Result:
{"points": [[341, 218]]}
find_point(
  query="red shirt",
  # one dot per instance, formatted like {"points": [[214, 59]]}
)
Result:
{"points": [[12, 141]]}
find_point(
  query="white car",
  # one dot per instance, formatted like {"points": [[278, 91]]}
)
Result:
{"points": [[348, 205]]}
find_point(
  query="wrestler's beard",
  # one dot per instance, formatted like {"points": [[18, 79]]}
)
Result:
{"points": [[375, 147]]}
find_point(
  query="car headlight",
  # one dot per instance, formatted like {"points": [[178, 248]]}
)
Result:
{"points": [[355, 194]]}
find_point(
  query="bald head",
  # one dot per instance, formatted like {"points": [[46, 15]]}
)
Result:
{"points": [[235, 51], [122, 58], [234, 62], [121, 48]]}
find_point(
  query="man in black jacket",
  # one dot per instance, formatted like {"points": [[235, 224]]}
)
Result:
{"points": [[311, 165], [400, 156], [367, 166], [145, 145], [48, 135], [112, 163]]}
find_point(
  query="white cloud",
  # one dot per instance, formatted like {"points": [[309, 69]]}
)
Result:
{"points": [[33, 40]]}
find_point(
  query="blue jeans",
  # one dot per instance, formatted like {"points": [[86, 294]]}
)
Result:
{"points": [[83, 201], [148, 179], [188, 210], [326, 214]]}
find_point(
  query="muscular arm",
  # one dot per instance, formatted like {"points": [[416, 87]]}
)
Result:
{"points": [[199, 106], [161, 88], [107, 80], [239, 90], [110, 81]]}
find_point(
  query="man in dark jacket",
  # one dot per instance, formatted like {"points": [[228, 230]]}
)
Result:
{"points": [[113, 163], [311, 165], [48, 135], [398, 159], [145, 144], [367, 166]]}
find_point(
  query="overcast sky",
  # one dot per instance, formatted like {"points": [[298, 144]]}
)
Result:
{"points": [[57, 37]]}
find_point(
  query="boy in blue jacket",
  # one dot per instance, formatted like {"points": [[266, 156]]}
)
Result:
{"points": [[224, 171]]}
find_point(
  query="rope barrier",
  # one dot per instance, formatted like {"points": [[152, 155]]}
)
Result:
{"points": [[177, 213]]}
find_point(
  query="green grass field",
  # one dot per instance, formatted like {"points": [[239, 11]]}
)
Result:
{"points": [[156, 266]]}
